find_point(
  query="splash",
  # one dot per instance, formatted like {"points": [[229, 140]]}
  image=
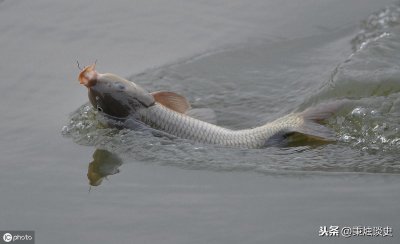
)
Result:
{"points": [[370, 129], [86, 127]]}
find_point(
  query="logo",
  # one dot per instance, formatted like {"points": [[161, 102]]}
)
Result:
{"points": [[7, 237], [17, 236]]}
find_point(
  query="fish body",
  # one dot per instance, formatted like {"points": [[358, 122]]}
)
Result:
{"points": [[171, 113], [184, 126]]}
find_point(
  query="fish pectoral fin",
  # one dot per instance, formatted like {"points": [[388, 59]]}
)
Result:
{"points": [[204, 114], [172, 101], [135, 124]]}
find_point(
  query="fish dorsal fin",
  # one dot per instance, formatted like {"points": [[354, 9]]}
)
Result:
{"points": [[172, 101], [204, 114]]}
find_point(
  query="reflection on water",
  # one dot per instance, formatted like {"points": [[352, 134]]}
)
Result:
{"points": [[104, 164]]}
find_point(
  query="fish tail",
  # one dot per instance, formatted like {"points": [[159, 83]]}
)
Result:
{"points": [[307, 126], [314, 117]]}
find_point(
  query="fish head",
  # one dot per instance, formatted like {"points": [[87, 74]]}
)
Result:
{"points": [[114, 95]]}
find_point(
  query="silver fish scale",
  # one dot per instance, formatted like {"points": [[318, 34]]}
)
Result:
{"points": [[183, 126]]}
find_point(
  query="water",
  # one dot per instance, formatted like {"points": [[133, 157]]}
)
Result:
{"points": [[252, 89], [251, 63]]}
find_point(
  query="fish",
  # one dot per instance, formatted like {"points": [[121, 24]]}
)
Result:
{"points": [[170, 113]]}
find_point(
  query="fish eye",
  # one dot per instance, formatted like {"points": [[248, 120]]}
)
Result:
{"points": [[99, 109], [120, 86]]}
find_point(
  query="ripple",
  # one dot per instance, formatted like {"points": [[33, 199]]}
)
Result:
{"points": [[364, 154], [375, 26]]}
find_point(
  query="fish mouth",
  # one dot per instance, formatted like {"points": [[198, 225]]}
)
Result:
{"points": [[88, 76]]}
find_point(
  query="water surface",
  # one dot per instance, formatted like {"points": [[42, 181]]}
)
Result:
{"points": [[249, 61]]}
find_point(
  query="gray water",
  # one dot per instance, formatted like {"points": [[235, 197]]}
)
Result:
{"points": [[249, 61]]}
